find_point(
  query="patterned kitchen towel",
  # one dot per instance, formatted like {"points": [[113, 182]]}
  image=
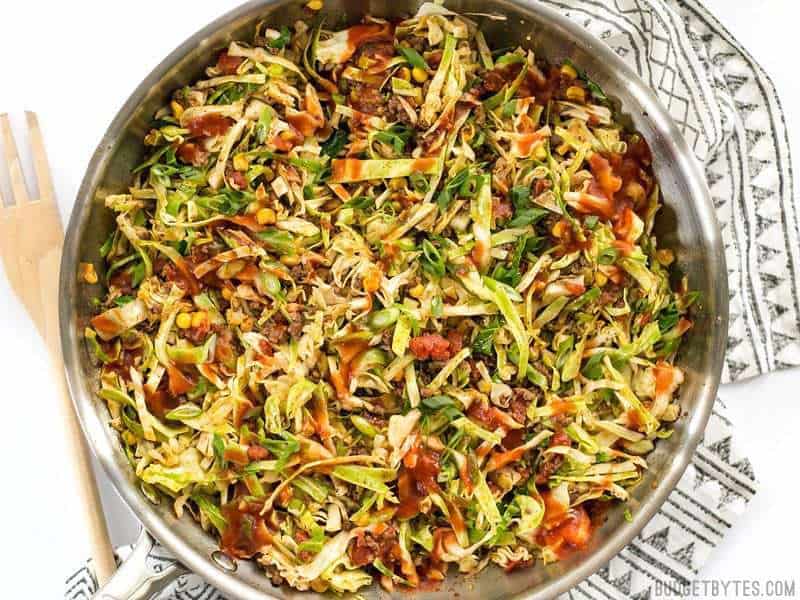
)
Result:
{"points": [[730, 114]]}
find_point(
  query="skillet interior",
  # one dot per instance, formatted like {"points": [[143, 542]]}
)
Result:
{"points": [[686, 224]]}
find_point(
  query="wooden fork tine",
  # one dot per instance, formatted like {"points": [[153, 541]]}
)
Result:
{"points": [[18, 188], [8, 246], [40, 164]]}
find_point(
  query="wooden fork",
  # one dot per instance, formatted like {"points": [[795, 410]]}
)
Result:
{"points": [[31, 238]]}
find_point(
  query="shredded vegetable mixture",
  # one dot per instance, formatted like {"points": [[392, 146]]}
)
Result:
{"points": [[385, 300]]}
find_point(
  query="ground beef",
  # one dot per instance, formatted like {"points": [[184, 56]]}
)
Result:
{"points": [[396, 112], [276, 332], [299, 273], [493, 81], [474, 373], [551, 463], [456, 340], [434, 58], [378, 52], [224, 350], [501, 209], [611, 294], [541, 186], [367, 99], [520, 401], [368, 546], [296, 323], [123, 281], [198, 335]]}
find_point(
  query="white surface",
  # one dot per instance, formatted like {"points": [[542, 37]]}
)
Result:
{"points": [[74, 64]]}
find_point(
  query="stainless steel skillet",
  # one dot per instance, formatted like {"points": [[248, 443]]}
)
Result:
{"points": [[687, 224]]}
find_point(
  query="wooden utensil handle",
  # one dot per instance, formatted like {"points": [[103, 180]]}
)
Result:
{"points": [[100, 544]]}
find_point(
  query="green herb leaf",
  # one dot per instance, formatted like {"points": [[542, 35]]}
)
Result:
{"points": [[528, 216], [278, 241], [282, 40], [336, 143], [413, 57], [484, 341], [437, 402], [432, 260], [283, 448]]}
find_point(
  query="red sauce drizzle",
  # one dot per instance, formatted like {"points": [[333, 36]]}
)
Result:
{"points": [[565, 532], [179, 383], [246, 531], [348, 352], [359, 34], [417, 480]]}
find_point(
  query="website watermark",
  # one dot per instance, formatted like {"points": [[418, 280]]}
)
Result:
{"points": [[729, 588]]}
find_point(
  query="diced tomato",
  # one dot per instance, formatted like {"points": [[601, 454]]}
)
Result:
{"points": [[209, 125], [228, 64], [256, 452], [238, 180], [431, 346], [191, 153]]}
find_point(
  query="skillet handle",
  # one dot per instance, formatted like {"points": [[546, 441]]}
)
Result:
{"points": [[134, 580]]}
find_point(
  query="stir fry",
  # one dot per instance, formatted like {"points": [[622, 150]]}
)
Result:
{"points": [[386, 300]]}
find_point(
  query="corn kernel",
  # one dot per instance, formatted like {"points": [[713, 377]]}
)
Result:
{"points": [[484, 386], [290, 260], [234, 317], [417, 291], [286, 134], [241, 162], [396, 184], [404, 73], [88, 273], [199, 318], [261, 193], [576, 94], [568, 71], [600, 279], [128, 438], [665, 257], [419, 75], [266, 216], [314, 5], [247, 324], [274, 71], [372, 280], [540, 153], [177, 109], [184, 321], [227, 293], [364, 62], [559, 229]]}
